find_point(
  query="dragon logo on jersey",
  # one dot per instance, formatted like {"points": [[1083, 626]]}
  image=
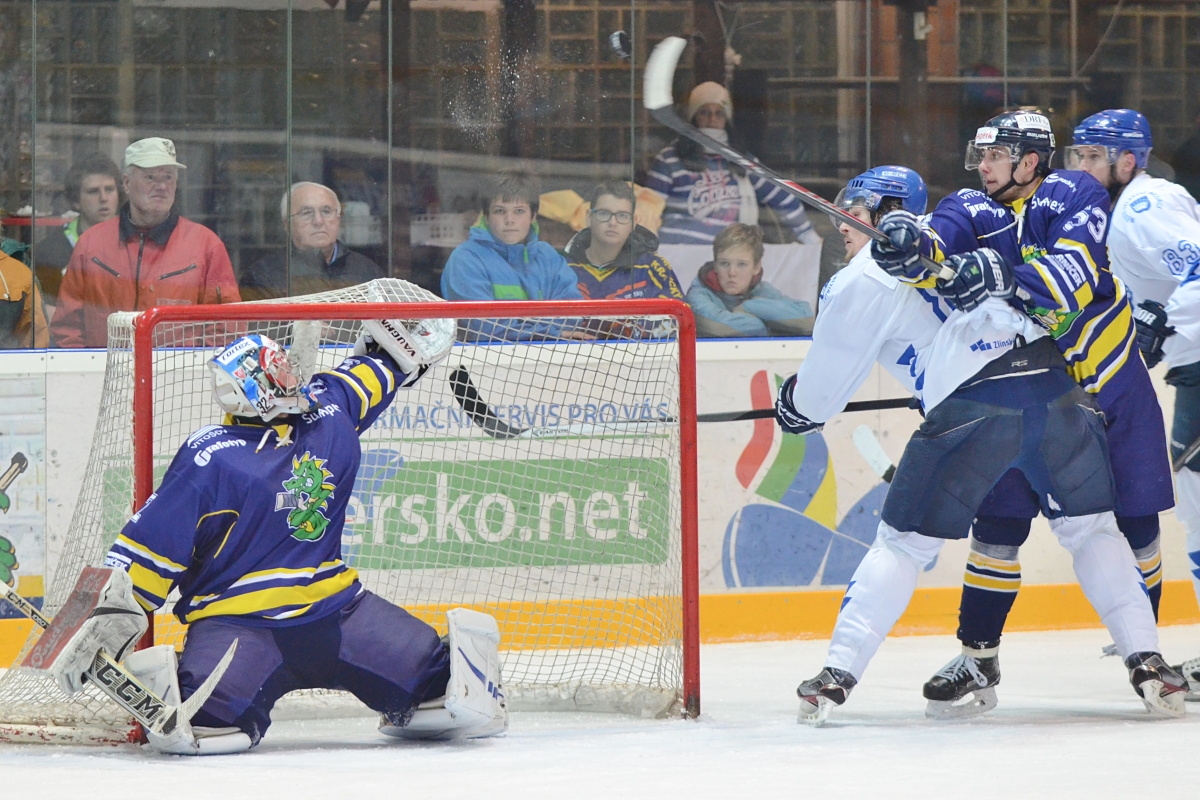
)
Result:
{"points": [[307, 494]]}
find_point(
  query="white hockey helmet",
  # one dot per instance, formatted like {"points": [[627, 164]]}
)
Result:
{"points": [[253, 377]]}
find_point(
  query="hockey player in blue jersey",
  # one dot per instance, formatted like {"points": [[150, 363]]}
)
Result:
{"points": [[1036, 239], [1010, 403], [1154, 244], [247, 527]]}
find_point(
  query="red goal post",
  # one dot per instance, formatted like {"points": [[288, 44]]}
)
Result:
{"points": [[683, 422]]}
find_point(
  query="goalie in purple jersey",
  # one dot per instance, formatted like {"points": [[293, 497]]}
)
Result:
{"points": [[247, 526]]}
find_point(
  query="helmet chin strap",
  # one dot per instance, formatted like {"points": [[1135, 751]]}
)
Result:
{"points": [[1012, 181]]}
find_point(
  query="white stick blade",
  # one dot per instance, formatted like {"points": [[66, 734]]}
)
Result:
{"points": [[870, 449], [660, 73]]}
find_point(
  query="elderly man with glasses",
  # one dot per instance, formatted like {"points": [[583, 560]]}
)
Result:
{"points": [[146, 256], [316, 261]]}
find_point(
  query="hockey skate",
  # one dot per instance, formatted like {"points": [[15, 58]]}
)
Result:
{"points": [[966, 687], [1190, 670], [819, 695], [1161, 688]]}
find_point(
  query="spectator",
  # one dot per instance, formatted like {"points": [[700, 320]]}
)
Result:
{"points": [[146, 256], [504, 260], [319, 260], [22, 318], [730, 298], [91, 189], [704, 192], [613, 258], [1187, 162]]}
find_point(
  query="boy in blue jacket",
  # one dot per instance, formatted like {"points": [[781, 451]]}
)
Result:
{"points": [[504, 260]]}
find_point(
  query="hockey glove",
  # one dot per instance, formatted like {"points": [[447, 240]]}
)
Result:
{"points": [[900, 253], [789, 419], [416, 345], [8, 561], [978, 275], [1150, 320]]}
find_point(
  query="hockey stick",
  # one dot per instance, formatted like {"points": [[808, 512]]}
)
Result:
{"points": [[1186, 455], [871, 450], [764, 413], [484, 417], [656, 97], [150, 710]]}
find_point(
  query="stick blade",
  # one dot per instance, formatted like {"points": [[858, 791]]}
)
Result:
{"points": [[480, 413], [660, 73], [870, 449]]}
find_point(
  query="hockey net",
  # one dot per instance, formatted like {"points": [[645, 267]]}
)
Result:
{"points": [[550, 483]]}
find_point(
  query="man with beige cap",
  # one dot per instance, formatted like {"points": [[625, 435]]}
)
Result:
{"points": [[146, 256]]}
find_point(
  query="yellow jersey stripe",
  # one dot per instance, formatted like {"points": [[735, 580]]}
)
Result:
{"points": [[150, 555], [370, 382], [149, 581], [253, 603], [1115, 334], [353, 384]]}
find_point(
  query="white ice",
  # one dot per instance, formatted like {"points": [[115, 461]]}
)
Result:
{"points": [[1067, 726]]}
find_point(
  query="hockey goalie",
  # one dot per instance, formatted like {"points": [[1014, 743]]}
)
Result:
{"points": [[247, 525]]}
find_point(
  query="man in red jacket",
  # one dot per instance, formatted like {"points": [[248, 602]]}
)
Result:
{"points": [[146, 256]]}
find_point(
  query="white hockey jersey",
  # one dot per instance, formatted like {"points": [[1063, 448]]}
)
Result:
{"points": [[1154, 248], [866, 316]]}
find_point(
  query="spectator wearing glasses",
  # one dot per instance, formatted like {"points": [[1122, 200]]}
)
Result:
{"points": [[319, 261], [146, 256], [614, 258]]}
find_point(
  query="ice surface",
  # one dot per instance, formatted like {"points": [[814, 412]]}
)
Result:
{"points": [[1067, 726]]}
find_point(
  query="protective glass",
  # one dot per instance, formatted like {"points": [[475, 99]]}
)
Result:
{"points": [[604, 215], [989, 153], [307, 215], [1085, 156]]}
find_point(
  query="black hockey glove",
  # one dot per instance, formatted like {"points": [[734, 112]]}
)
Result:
{"points": [[1150, 319], [900, 254], [789, 419], [978, 275]]}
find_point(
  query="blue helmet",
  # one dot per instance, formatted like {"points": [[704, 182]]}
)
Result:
{"points": [[870, 188], [1117, 130]]}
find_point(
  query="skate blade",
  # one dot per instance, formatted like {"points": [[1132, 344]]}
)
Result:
{"points": [[815, 715], [977, 702], [1171, 705]]}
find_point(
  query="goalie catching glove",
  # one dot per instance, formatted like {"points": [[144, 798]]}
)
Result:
{"points": [[415, 345]]}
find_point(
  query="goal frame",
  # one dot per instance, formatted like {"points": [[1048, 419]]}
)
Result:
{"points": [[143, 398]]}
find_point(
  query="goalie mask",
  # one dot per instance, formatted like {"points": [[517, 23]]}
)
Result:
{"points": [[253, 377]]}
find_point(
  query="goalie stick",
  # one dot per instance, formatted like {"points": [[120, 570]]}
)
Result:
{"points": [[656, 97], [150, 710], [483, 416]]}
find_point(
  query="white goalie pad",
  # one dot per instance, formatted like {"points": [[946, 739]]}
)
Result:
{"points": [[473, 706], [158, 668], [101, 613]]}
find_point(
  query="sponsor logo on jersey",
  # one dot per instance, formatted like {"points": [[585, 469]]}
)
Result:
{"points": [[204, 456], [117, 561], [1058, 207], [975, 209], [1139, 205], [981, 346], [204, 434], [1057, 177], [307, 494], [323, 411]]}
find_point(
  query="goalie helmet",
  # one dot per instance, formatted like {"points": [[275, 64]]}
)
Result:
{"points": [[1020, 132], [1117, 130], [253, 377], [871, 188]]}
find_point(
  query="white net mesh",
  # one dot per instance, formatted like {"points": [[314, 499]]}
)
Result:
{"points": [[560, 513]]}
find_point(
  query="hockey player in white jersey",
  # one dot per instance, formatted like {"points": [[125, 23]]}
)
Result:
{"points": [[1154, 247], [976, 398]]}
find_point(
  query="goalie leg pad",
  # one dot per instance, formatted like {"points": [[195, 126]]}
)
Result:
{"points": [[473, 706], [100, 614]]}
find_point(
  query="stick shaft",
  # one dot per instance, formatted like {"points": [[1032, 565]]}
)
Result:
{"points": [[766, 413]]}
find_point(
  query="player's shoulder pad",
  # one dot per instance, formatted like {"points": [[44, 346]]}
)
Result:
{"points": [[1074, 188]]}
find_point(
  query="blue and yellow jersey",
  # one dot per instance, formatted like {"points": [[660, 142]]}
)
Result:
{"points": [[1056, 240], [248, 519]]}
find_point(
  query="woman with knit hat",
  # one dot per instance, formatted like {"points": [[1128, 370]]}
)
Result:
{"points": [[704, 192]]}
